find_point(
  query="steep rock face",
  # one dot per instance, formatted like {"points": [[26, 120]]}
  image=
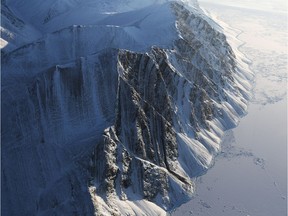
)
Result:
{"points": [[50, 124], [64, 100], [150, 136], [103, 122]]}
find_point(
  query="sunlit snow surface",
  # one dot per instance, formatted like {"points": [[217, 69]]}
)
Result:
{"points": [[250, 174]]}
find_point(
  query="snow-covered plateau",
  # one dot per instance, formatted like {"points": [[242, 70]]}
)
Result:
{"points": [[112, 107]]}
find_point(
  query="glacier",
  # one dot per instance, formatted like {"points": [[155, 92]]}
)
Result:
{"points": [[112, 107]]}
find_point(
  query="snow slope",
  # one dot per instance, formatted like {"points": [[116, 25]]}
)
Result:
{"points": [[116, 109], [253, 155]]}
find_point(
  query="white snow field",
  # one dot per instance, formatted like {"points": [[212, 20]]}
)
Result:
{"points": [[250, 174]]}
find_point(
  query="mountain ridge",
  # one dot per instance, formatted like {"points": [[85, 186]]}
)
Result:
{"points": [[121, 128]]}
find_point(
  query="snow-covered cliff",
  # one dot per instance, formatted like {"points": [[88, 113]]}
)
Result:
{"points": [[115, 109]]}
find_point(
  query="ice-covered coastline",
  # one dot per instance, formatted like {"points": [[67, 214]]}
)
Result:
{"points": [[250, 174]]}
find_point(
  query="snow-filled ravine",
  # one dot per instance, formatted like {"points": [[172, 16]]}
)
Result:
{"points": [[250, 174]]}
